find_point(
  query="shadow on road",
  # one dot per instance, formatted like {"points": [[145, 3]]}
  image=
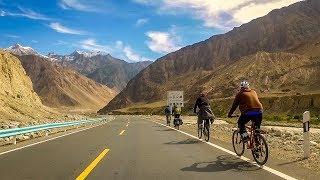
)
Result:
{"points": [[187, 141], [292, 162], [223, 163], [166, 130]]}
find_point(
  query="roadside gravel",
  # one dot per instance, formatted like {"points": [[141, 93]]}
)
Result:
{"points": [[285, 143]]}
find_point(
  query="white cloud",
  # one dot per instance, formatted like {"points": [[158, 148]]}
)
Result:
{"points": [[62, 29], [162, 42], [27, 13], [118, 49], [91, 45], [60, 42], [223, 14], [34, 41], [12, 36], [146, 2], [142, 21], [126, 52], [77, 5]]}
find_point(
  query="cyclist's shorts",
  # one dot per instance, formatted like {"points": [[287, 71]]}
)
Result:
{"points": [[254, 113]]}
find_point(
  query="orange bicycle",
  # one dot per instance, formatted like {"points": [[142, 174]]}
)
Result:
{"points": [[256, 143]]}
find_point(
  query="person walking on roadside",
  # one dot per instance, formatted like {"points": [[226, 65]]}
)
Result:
{"points": [[251, 109], [167, 112], [205, 112]]}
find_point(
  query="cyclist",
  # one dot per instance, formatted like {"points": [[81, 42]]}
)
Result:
{"points": [[205, 112], [250, 107], [167, 112], [176, 112]]}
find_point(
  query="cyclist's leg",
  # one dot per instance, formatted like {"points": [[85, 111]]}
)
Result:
{"points": [[199, 121], [257, 123], [207, 123], [242, 121]]}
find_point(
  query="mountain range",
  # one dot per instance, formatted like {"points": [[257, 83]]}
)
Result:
{"points": [[58, 86], [103, 68], [278, 53]]}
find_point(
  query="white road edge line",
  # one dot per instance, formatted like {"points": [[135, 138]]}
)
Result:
{"points": [[273, 171], [29, 145]]}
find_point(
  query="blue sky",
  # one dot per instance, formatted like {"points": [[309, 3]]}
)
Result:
{"points": [[133, 30]]}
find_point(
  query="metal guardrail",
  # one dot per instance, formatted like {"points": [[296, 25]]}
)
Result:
{"points": [[29, 129]]}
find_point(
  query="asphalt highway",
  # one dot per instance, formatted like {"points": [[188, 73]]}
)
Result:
{"points": [[127, 148]]}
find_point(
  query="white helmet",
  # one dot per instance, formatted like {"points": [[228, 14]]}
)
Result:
{"points": [[244, 85]]}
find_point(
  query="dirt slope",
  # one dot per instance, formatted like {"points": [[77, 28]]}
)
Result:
{"points": [[18, 100]]}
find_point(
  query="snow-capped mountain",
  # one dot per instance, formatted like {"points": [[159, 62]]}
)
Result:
{"points": [[87, 54], [101, 67], [19, 50], [77, 54]]}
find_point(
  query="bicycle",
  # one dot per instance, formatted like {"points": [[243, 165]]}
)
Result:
{"points": [[177, 122], [168, 120], [256, 143], [204, 128]]}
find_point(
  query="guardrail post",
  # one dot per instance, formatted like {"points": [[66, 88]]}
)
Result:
{"points": [[15, 140], [306, 134], [47, 132]]}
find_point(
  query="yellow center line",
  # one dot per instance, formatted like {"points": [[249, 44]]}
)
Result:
{"points": [[122, 132], [94, 163]]}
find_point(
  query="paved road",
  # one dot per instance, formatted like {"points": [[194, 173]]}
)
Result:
{"points": [[137, 150]]}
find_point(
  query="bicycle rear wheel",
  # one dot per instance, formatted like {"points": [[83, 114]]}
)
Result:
{"points": [[261, 152], [237, 143], [206, 131]]}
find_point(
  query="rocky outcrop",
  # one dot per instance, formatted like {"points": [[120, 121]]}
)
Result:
{"points": [[18, 100]]}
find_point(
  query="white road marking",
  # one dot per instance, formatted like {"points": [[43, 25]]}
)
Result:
{"points": [[29, 145], [273, 171]]}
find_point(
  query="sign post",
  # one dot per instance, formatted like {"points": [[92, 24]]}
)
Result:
{"points": [[306, 134], [175, 98]]}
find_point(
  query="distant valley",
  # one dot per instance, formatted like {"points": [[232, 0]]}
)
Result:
{"points": [[103, 68]]}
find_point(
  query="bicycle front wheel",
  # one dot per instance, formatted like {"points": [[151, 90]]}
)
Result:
{"points": [[261, 152], [237, 143]]}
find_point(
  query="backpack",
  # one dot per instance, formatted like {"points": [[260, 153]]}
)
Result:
{"points": [[177, 110]]}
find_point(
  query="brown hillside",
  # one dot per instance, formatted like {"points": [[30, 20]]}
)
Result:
{"points": [[283, 30], [60, 87], [18, 101], [269, 73]]}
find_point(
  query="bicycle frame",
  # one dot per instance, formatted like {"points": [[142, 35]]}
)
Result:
{"points": [[251, 130]]}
